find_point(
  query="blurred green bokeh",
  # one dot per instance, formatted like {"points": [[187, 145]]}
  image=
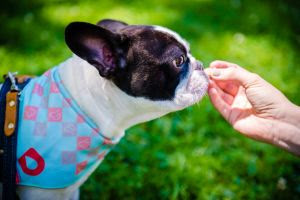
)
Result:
{"points": [[192, 154]]}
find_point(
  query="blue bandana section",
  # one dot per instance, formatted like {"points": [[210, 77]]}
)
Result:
{"points": [[57, 143]]}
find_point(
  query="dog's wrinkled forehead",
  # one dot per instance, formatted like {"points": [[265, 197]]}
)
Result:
{"points": [[173, 34], [154, 42]]}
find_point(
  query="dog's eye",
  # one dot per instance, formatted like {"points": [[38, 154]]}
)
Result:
{"points": [[178, 61]]}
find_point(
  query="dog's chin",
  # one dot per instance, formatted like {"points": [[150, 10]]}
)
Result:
{"points": [[191, 90]]}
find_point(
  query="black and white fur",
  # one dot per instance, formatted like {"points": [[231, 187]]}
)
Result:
{"points": [[122, 75]]}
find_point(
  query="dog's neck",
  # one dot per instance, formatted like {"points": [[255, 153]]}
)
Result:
{"points": [[111, 109]]}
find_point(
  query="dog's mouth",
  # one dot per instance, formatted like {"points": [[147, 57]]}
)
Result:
{"points": [[192, 89], [198, 83]]}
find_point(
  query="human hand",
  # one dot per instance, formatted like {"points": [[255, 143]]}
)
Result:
{"points": [[253, 106]]}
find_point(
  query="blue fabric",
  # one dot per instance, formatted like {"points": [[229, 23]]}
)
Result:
{"points": [[57, 143]]}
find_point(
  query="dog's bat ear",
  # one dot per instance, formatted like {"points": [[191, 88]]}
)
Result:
{"points": [[97, 45], [112, 25]]}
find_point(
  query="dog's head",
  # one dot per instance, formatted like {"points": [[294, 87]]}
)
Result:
{"points": [[151, 62]]}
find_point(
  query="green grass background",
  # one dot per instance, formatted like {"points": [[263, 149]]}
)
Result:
{"points": [[192, 154]]}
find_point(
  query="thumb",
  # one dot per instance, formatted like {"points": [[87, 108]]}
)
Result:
{"points": [[238, 74]]}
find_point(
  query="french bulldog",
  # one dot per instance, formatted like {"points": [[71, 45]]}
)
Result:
{"points": [[120, 75]]}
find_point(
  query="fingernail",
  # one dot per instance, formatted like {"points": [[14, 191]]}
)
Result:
{"points": [[216, 72], [212, 91]]}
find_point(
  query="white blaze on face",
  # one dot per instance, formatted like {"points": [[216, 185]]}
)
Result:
{"points": [[193, 87]]}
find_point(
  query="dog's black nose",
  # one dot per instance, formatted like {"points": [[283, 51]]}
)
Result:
{"points": [[199, 65]]}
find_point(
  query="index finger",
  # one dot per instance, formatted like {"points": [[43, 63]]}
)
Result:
{"points": [[222, 64]]}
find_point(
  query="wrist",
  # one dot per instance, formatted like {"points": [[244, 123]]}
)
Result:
{"points": [[286, 136], [292, 115]]}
